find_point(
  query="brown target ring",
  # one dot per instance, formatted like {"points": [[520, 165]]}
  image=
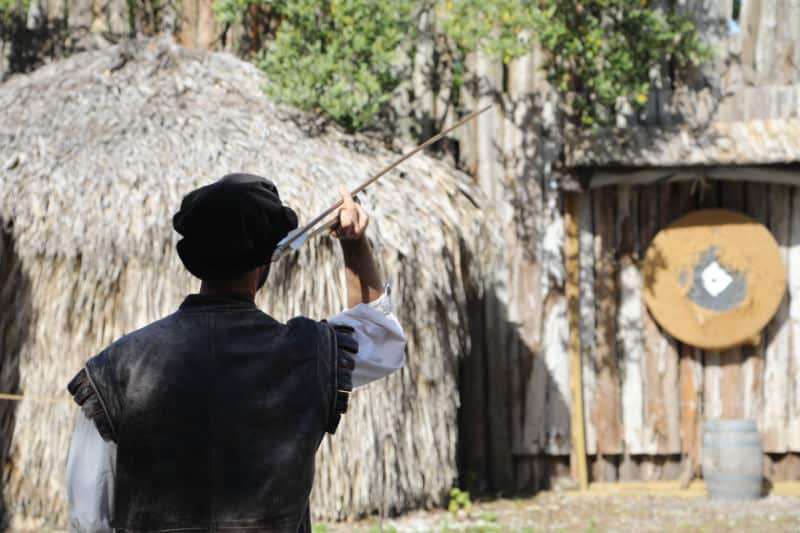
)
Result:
{"points": [[714, 278]]}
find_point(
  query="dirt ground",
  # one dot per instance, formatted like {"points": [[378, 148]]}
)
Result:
{"points": [[573, 512]]}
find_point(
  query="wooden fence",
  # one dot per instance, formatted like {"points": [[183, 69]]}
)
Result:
{"points": [[647, 394]]}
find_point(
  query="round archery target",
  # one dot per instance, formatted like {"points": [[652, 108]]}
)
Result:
{"points": [[714, 278]]}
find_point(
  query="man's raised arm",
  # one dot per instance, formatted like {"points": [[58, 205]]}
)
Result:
{"points": [[381, 341], [363, 281]]}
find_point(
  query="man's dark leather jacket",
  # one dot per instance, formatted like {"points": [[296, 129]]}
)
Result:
{"points": [[217, 411]]}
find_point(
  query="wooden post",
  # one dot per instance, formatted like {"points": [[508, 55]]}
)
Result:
{"points": [[571, 255]]}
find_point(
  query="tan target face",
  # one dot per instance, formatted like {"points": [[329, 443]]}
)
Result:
{"points": [[714, 278]]}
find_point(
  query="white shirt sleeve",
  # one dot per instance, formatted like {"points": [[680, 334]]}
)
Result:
{"points": [[90, 479], [381, 341]]}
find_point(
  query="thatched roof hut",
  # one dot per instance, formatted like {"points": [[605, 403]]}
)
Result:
{"points": [[96, 153]]}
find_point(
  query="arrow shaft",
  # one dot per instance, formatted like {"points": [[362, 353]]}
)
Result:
{"points": [[387, 169]]}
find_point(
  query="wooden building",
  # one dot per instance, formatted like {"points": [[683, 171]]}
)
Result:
{"points": [[730, 140], [647, 394]]}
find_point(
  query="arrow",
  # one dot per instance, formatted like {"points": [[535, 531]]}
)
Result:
{"points": [[295, 239]]}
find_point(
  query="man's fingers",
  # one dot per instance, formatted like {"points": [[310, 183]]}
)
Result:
{"points": [[345, 219], [347, 199], [353, 219], [363, 219], [347, 211]]}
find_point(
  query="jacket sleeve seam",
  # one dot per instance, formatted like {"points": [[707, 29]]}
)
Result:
{"points": [[102, 402]]}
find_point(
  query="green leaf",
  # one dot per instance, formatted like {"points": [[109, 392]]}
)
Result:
{"points": [[606, 49]]}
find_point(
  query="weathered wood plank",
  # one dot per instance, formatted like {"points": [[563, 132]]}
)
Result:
{"points": [[749, 22], [752, 370], [732, 195], [682, 200], [782, 467], [56, 9], [661, 431], [793, 436], [708, 193], [757, 207], [793, 20], [672, 357], [526, 297], [629, 323], [587, 316], [607, 407], [783, 66], [629, 468], [691, 383], [555, 333], [497, 396], [556, 357], [473, 433], [118, 17], [423, 107], [764, 56], [529, 403], [534, 435], [524, 474], [653, 467], [731, 386], [521, 74], [711, 19], [676, 200], [467, 136], [490, 178], [532, 307], [603, 468], [712, 394], [578, 461], [187, 35], [731, 379], [206, 25], [498, 399], [527, 300], [520, 359], [538, 380], [79, 15], [169, 14], [489, 74], [776, 365]]}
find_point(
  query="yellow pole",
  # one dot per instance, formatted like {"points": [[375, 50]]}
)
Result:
{"points": [[571, 254]]}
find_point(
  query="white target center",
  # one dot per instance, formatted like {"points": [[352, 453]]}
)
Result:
{"points": [[715, 279]]}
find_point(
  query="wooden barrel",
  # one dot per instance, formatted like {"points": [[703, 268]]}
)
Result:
{"points": [[732, 459]]}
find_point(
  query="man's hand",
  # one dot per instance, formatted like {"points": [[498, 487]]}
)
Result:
{"points": [[353, 220], [363, 281]]}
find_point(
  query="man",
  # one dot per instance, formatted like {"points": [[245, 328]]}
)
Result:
{"points": [[209, 419]]}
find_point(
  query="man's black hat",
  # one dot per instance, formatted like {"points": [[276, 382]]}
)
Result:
{"points": [[231, 226]]}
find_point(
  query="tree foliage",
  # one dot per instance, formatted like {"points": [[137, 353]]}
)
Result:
{"points": [[340, 57], [12, 11], [596, 51], [333, 56]]}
